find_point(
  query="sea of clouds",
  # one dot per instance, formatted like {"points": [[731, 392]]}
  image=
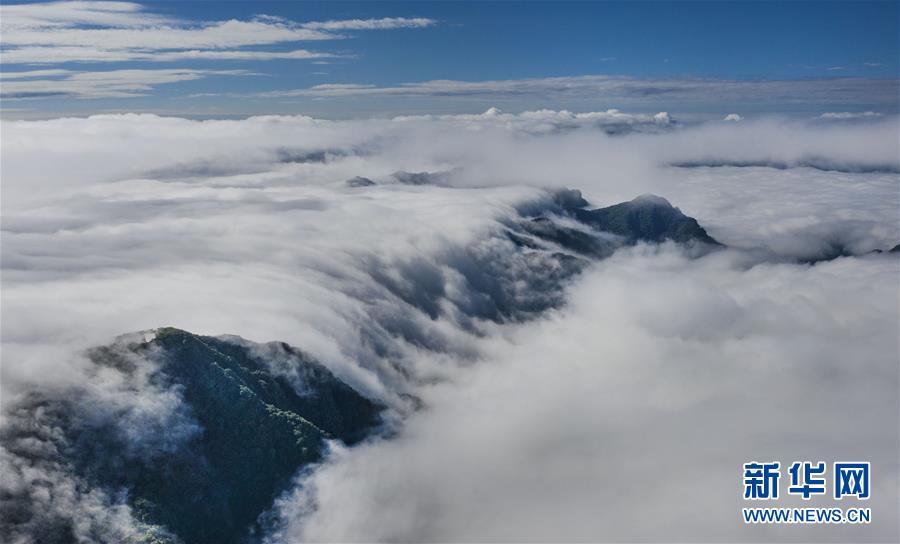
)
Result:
{"points": [[618, 404]]}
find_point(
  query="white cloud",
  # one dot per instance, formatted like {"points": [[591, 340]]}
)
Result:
{"points": [[733, 117], [240, 55], [34, 74], [384, 23], [845, 115], [222, 34]]}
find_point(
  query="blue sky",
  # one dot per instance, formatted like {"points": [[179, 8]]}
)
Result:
{"points": [[339, 59]]}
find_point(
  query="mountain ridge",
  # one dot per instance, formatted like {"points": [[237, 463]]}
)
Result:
{"points": [[242, 431]]}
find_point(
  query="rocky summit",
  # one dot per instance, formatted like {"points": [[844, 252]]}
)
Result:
{"points": [[647, 218]]}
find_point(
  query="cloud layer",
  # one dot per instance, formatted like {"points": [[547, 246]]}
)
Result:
{"points": [[545, 402]]}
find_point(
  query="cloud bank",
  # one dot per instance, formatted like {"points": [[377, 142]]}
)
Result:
{"points": [[528, 402]]}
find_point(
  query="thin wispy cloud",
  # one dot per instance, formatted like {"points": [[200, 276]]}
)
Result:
{"points": [[385, 23], [61, 33], [32, 74], [622, 88], [68, 14], [56, 55], [124, 31], [847, 115], [108, 84]]}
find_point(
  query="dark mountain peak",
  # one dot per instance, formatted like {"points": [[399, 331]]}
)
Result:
{"points": [[275, 373], [441, 179], [647, 218], [359, 181], [569, 199]]}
